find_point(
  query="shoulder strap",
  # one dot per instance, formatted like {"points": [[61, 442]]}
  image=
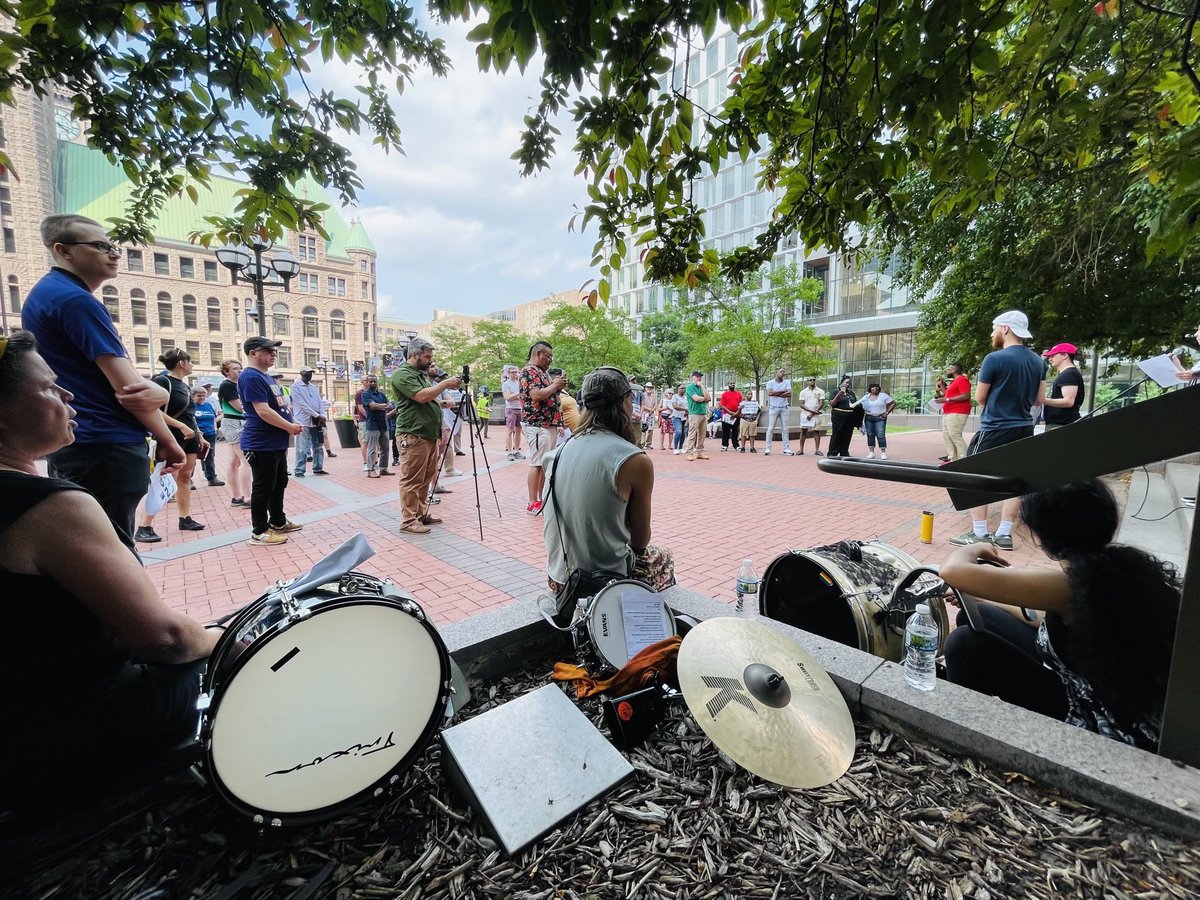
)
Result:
{"points": [[550, 497]]}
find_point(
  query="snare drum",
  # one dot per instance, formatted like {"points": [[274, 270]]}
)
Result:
{"points": [[604, 621], [312, 704]]}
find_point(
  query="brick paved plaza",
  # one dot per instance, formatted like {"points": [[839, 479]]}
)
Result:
{"points": [[711, 513]]}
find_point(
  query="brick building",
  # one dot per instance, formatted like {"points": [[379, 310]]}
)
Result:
{"points": [[174, 293]]}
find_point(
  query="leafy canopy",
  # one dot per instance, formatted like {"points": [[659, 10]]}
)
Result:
{"points": [[583, 339]]}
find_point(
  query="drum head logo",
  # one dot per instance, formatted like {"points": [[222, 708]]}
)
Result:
{"points": [[625, 711], [730, 690]]}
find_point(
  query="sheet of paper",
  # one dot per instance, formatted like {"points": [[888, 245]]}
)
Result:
{"points": [[645, 620], [1161, 369]]}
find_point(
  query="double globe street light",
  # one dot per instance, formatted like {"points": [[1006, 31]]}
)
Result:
{"points": [[262, 273]]}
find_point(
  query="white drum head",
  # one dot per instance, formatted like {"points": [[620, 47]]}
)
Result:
{"points": [[323, 710], [624, 619]]}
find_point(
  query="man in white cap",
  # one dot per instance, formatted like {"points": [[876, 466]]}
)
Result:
{"points": [[1012, 380]]}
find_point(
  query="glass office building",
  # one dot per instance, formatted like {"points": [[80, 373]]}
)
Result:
{"points": [[869, 317]]}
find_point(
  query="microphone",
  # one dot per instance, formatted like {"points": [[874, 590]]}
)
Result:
{"points": [[1189, 340]]}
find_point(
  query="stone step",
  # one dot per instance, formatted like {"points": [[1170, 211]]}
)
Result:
{"points": [[1151, 520]]}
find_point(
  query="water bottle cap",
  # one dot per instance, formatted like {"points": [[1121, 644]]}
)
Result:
{"points": [[922, 609], [746, 560]]}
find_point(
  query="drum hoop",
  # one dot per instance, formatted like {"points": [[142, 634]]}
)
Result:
{"points": [[326, 812], [589, 619]]}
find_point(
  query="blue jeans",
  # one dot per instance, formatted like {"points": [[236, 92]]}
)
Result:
{"points": [[875, 426], [680, 426], [210, 459], [310, 440]]}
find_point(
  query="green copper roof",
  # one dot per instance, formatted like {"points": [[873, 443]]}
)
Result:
{"points": [[358, 239], [88, 184]]}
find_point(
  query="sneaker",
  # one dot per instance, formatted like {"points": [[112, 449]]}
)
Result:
{"points": [[520, 455], [372, 474], [187, 523], [724, 449], [511, 456], [533, 508], [433, 500], [970, 537], [676, 452], [320, 472], [298, 474], [238, 501], [460, 452], [286, 528], [788, 453], [943, 459], [442, 489], [395, 460], [741, 449], [331, 454], [193, 485], [308, 458], [146, 536], [752, 450], [765, 452], [702, 455], [386, 472], [267, 539], [216, 482], [883, 454], [818, 453], [871, 455], [430, 520], [366, 467], [691, 457], [453, 473], [1002, 541], [415, 528]]}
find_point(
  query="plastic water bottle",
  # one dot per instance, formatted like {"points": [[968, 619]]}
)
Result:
{"points": [[747, 584], [920, 649]]}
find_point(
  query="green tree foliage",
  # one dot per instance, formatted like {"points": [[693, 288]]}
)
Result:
{"points": [[583, 339], [750, 328], [173, 90], [452, 347], [848, 98], [494, 345], [666, 347], [1068, 250]]}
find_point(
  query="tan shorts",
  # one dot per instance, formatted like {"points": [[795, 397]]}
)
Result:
{"points": [[539, 440]]}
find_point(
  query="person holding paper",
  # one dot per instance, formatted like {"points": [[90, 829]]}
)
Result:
{"points": [[1066, 394], [116, 672], [1192, 375], [598, 489]]}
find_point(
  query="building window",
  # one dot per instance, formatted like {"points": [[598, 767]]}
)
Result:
{"points": [[162, 264], [164, 345], [216, 354], [111, 303], [311, 327], [336, 286], [237, 315], [133, 261], [189, 312], [166, 316], [281, 325], [337, 325], [187, 267], [366, 290], [362, 265], [14, 294], [10, 241], [137, 303], [366, 328], [311, 357], [193, 350], [307, 248], [210, 270], [214, 314], [5, 201], [141, 350], [283, 359], [339, 359]]}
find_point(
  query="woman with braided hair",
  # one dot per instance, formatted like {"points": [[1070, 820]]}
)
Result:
{"points": [[1100, 656]]}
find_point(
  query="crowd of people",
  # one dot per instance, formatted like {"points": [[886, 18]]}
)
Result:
{"points": [[127, 666]]}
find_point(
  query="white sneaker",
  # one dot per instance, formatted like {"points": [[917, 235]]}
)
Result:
{"points": [[871, 455], [676, 452], [766, 453], [788, 453], [883, 454], [366, 468]]}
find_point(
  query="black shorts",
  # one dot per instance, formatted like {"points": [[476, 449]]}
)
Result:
{"points": [[998, 437], [191, 446]]}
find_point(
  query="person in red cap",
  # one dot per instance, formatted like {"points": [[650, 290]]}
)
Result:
{"points": [[1066, 394]]}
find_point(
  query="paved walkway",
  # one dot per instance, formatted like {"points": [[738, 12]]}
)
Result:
{"points": [[711, 513]]}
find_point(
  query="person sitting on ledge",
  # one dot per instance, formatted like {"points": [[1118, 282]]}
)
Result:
{"points": [[1100, 656], [98, 674], [598, 490]]}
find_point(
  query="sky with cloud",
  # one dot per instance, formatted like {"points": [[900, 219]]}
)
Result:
{"points": [[454, 224]]}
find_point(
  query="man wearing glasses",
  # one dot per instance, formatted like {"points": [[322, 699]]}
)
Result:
{"points": [[115, 406], [269, 425]]}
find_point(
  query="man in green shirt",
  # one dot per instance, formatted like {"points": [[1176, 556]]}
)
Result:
{"points": [[697, 401], [418, 427]]}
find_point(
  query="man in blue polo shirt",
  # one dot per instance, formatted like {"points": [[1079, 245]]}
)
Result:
{"points": [[265, 443], [114, 405]]}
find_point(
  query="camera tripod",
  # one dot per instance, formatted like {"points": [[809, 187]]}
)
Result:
{"points": [[465, 411]]}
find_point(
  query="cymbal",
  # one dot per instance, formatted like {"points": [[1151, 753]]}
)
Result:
{"points": [[766, 703]]}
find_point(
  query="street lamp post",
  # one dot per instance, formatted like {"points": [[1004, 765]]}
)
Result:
{"points": [[323, 367], [262, 273]]}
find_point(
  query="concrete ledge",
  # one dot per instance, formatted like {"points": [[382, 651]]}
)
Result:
{"points": [[1092, 768]]}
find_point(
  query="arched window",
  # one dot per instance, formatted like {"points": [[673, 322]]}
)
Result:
{"points": [[137, 304], [111, 302], [166, 315], [237, 315], [281, 320], [214, 314], [189, 312], [312, 328], [14, 294], [337, 325]]}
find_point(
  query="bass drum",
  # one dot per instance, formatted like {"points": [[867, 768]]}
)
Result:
{"points": [[311, 710], [847, 592]]}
